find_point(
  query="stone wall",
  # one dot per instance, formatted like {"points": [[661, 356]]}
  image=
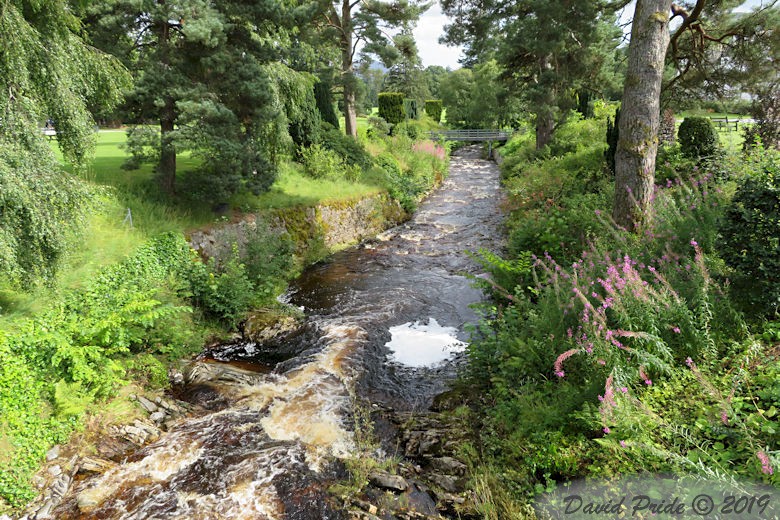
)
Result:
{"points": [[332, 225]]}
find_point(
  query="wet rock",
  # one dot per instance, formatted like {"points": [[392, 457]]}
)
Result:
{"points": [[365, 506], [146, 404], [158, 416], [268, 326], [448, 465], [175, 376], [87, 502], [95, 465], [387, 481], [446, 482], [53, 453]]}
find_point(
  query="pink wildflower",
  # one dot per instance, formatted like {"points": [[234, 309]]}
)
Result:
{"points": [[689, 362], [606, 430], [622, 444], [766, 466], [558, 365], [676, 330], [694, 243]]}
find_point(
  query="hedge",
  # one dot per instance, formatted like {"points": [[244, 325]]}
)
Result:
{"points": [[391, 107]]}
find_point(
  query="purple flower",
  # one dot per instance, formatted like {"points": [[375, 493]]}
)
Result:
{"points": [[766, 466], [648, 382], [689, 362], [622, 444], [606, 430], [560, 373], [597, 212], [694, 243], [624, 390], [676, 330]]}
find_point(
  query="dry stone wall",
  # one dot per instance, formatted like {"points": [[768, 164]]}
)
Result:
{"points": [[335, 224]]}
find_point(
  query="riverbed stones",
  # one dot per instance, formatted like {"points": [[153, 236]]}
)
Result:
{"points": [[387, 481], [95, 465], [448, 465], [53, 453]]}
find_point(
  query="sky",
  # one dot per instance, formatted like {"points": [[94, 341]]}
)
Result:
{"points": [[427, 33], [431, 27]]}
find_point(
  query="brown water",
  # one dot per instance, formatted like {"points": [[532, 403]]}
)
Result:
{"points": [[269, 435]]}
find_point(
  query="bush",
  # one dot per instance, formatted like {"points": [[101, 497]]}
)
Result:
{"points": [[391, 107], [377, 128], [698, 137], [751, 240], [346, 147], [324, 99], [411, 109], [223, 290], [321, 163], [434, 109], [408, 129]]}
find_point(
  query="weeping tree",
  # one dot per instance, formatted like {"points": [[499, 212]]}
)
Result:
{"points": [[46, 72]]}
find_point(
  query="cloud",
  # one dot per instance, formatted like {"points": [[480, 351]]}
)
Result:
{"points": [[427, 33]]}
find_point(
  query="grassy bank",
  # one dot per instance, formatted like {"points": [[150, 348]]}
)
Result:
{"points": [[604, 353]]}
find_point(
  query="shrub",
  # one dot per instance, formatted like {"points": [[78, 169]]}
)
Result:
{"points": [[411, 109], [434, 109], [408, 129], [391, 107], [698, 137], [321, 163], [223, 290], [751, 239], [351, 150], [377, 128], [324, 99]]}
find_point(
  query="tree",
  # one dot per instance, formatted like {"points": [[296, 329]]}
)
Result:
{"points": [[548, 49], [407, 75], [640, 114], [352, 22], [201, 72], [649, 49], [477, 98], [46, 72]]}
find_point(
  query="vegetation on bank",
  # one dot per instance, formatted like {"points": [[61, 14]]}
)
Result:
{"points": [[127, 300], [606, 353]]}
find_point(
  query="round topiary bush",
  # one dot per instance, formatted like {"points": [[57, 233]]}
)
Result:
{"points": [[751, 241], [698, 137]]}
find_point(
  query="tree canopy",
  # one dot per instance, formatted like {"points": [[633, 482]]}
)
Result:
{"points": [[47, 72]]}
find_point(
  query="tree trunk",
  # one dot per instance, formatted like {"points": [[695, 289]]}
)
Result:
{"points": [[640, 115], [166, 170], [347, 70], [545, 124]]}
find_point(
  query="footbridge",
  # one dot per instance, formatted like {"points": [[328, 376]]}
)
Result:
{"points": [[471, 136]]}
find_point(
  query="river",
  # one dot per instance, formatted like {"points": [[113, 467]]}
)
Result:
{"points": [[385, 323]]}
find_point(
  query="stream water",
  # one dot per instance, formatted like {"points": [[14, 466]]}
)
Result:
{"points": [[383, 322]]}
